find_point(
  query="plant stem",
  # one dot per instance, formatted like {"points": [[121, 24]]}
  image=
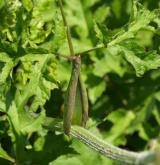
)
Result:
{"points": [[90, 50], [111, 151], [69, 38], [101, 146], [70, 58]]}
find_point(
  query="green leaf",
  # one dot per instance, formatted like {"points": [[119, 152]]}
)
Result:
{"points": [[5, 67], [156, 114], [38, 82], [2, 3], [82, 155], [123, 108], [4, 155], [142, 114], [67, 160], [78, 18], [111, 62], [59, 35], [96, 87], [140, 19], [101, 13], [141, 61], [121, 120], [30, 124], [28, 4], [103, 33], [91, 3]]}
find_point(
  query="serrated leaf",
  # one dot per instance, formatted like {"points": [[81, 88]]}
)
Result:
{"points": [[40, 81], [103, 33], [140, 19], [30, 124], [6, 67], [141, 61], [59, 35]]}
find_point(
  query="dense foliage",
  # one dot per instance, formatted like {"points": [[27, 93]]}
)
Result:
{"points": [[122, 78]]}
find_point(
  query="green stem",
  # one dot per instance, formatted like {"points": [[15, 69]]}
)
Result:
{"points": [[69, 38], [101, 146], [81, 53], [90, 50], [111, 151]]}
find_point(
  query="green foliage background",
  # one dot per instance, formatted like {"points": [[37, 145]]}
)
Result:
{"points": [[122, 80]]}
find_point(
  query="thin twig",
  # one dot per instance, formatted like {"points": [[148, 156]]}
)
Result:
{"points": [[90, 50], [70, 58]]}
